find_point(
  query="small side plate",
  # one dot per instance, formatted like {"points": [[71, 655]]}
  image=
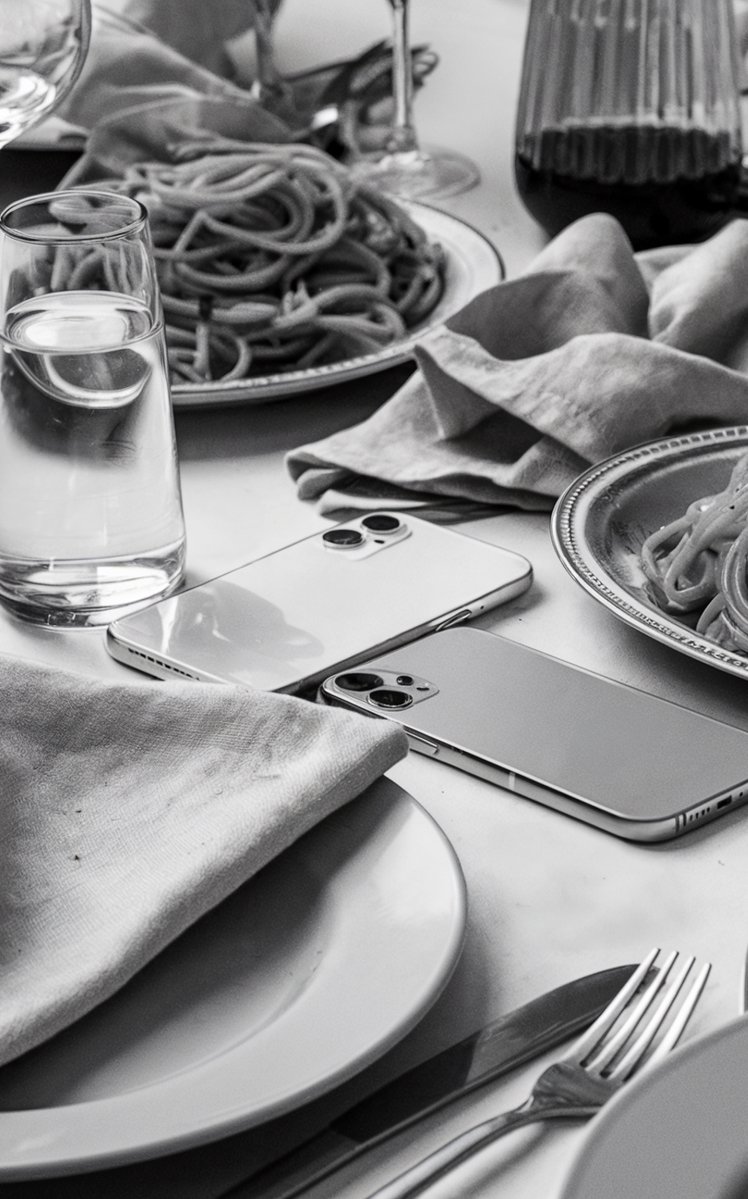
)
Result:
{"points": [[677, 1131]]}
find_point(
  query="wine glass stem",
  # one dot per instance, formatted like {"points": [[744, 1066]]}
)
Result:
{"points": [[403, 134], [270, 87]]}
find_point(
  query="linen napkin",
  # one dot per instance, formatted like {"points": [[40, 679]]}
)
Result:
{"points": [[160, 73], [128, 812], [147, 53], [591, 350]]}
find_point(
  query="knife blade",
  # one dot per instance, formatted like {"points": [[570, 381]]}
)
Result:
{"points": [[491, 1052]]}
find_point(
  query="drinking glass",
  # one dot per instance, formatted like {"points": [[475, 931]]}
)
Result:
{"points": [[91, 521], [405, 168], [633, 109], [43, 45]]}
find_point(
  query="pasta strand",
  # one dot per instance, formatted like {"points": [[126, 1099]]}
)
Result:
{"points": [[271, 254], [698, 563]]}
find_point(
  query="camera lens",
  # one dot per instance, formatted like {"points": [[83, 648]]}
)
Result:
{"points": [[359, 680], [380, 522], [343, 539], [389, 697], [404, 680]]}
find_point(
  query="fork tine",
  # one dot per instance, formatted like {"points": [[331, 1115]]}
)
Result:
{"points": [[608, 1017], [631, 1059], [612, 1046]]}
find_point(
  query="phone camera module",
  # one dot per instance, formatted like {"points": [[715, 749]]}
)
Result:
{"points": [[381, 522], [343, 539], [390, 697], [358, 680]]}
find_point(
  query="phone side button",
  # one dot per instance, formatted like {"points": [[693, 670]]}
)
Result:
{"points": [[451, 621], [422, 745]]}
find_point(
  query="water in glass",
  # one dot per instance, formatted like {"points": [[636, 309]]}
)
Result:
{"points": [[90, 508]]}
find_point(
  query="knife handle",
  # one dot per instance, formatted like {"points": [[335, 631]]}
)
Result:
{"points": [[263, 1186], [451, 1074]]}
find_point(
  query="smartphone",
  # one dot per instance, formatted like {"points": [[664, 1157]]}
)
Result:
{"points": [[288, 619], [616, 757]]}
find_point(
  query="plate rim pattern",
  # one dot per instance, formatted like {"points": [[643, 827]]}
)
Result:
{"points": [[577, 556]]}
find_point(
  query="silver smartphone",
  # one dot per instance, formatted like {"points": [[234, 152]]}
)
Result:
{"points": [[641, 767], [284, 621]]}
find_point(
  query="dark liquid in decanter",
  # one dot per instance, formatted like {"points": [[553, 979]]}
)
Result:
{"points": [[665, 185]]}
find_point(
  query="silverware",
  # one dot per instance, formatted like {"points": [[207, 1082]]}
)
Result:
{"points": [[489, 1053], [595, 1068]]}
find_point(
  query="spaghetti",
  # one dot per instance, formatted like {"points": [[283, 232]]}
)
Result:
{"points": [[698, 563], [271, 259]]}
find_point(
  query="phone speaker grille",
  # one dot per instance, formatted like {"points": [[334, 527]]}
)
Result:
{"points": [[698, 815], [177, 670], [709, 810]]}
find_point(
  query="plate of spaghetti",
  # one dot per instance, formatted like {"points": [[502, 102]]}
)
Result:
{"points": [[659, 535], [280, 274]]}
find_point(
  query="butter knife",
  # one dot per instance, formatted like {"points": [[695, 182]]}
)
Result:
{"points": [[494, 1050]]}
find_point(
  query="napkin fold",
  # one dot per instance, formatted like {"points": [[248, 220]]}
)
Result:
{"points": [[161, 75], [128, 812], [593, 349], [146, 55]]}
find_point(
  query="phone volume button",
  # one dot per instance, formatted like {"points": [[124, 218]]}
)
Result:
{"points": [[423, 745]]}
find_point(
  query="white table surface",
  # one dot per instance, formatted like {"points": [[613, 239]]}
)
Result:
{"points": [[549, 898]]}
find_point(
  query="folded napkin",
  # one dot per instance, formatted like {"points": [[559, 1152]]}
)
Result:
{"points": [[128, 812], [591, 350]]}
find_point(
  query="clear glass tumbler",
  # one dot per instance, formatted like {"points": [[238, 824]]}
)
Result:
{"points": [[631, 107], [91, 522]]}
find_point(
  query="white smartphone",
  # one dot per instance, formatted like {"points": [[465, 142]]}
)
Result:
{"points": [[626, 761], [288, 619]]}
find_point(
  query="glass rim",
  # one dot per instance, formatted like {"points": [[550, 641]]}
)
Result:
{"points": [[137, 223]]}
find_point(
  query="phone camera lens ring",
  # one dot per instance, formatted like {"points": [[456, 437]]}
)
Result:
{"points": [[390, 698], [381, 522], [343, 539], [359, 680]]}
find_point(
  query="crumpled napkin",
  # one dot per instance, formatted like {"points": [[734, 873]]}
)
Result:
{"points": [[127, 812], [161, 74], [591, 350], [132, 69]]}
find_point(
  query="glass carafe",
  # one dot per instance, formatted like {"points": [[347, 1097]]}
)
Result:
{"points": [[631, 107]]}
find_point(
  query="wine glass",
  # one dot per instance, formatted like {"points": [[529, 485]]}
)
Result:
{"points": [[43, 45], [404, 167]]}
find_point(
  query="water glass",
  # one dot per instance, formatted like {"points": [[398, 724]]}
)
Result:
{"points": [[91, 522]]}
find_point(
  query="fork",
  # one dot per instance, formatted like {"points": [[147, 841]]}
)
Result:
{"points": [[594, 1069]]}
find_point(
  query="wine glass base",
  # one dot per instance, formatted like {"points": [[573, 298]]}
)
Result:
{"points": [[430, 173]]}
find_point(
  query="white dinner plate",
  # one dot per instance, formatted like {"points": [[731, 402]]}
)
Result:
{"points": [[472, 264], [678, 1132], [600, 523], [302, 978]]}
